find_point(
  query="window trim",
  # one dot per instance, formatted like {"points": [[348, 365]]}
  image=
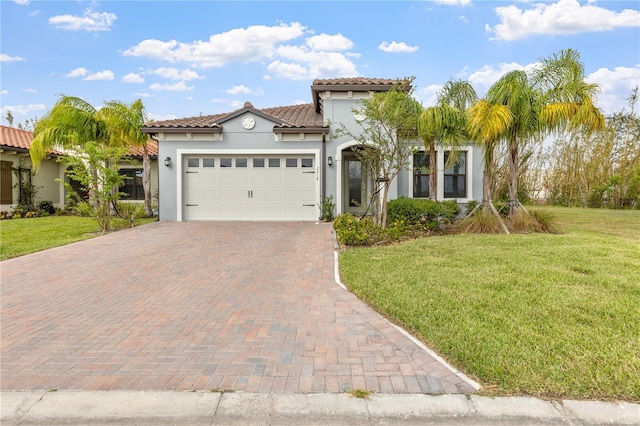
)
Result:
{"points": [[440, 150], [136, 196]]}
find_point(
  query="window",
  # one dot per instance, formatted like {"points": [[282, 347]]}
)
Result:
{"points": [[455, 177], [420, 175], [274, 162], [241, 162], [225, 162], [258, 162], [132, 185], [193, 162], [306, 162], [6, 191], [291, 162], [208, 162]]}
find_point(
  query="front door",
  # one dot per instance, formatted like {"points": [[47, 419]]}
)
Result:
{"points": [[356, 194]]}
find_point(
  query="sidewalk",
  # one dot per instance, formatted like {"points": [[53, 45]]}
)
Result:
{"points": [[213, 408]]}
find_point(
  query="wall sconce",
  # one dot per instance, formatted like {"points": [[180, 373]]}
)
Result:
{"points": [[330, 161], [167, 161]]}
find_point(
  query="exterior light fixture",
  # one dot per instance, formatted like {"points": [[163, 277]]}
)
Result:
{"points": [[167, 161], [330, 161]]}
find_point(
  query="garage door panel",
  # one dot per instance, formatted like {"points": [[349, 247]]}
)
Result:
{"points": [[264, 189]]}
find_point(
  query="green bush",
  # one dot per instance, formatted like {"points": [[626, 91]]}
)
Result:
{"points": [[352, 231], [46, 207], [126, 210], [421, 213], [327, 207]]}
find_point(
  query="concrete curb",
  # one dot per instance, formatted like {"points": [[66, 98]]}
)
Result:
{"points": [[141, 407]]}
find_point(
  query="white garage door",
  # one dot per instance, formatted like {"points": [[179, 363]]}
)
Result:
{"points": [[236, 187]]}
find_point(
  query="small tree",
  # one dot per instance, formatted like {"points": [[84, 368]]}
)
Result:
{"points": [[384, 147], [97, 171]]}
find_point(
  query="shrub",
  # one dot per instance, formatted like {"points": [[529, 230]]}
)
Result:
{"points": [[482, 222], [352, 231], [471, 204], [126, 210], [46, 207], [422, 213], [535, 221], [327, 207], [31, 214]]}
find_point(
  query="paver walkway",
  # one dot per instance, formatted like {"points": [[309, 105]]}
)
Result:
{"points": [[199, 306]]}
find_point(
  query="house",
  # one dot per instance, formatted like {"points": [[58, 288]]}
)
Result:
{"points": [[14, 156], [279, 163]]}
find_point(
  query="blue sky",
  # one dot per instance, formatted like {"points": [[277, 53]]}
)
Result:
{"points": [[186, 58]]}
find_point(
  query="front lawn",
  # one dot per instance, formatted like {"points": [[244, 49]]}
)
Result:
{"points": [[553, 316], [23, 236]]}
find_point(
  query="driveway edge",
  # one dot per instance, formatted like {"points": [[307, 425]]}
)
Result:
{"points": [[336, 268]]}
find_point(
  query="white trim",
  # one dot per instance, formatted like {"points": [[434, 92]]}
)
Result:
{"points": [[440, 173], [248, 152]]}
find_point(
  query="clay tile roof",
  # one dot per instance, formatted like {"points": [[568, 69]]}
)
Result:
{"points": [[303, 115], [20, 140], [355, 81], [201, 122], [15, 138], [152, 148], [286, 116]]}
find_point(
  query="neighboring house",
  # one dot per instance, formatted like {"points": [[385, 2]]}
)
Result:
{"points": [[279, 163], [14, 153]]}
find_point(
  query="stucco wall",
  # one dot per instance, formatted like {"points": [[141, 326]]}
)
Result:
{"points": [[44, 180]]}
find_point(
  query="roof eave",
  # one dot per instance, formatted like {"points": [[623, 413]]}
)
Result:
{"points": [[306, 130]]}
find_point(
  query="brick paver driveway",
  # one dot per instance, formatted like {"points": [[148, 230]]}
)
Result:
{"points": [[179, 306]]}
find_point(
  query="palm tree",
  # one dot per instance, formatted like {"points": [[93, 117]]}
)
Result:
{"points": [[125, 122], [445, 122], [553, 97], [69, 124], [485, 123]]}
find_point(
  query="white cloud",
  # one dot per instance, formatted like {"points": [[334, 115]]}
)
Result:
{"points": [[89, 21], [160, 117], [218, 100], [562, 17], [176, 87], [238, 45], [300, 102], [176, 74], [394, 47], [132, 78], [29, 90], [17, 110], [4, 92], [77, 72], [143, 95], [428, 95], [329, 43], [22, 2], [236, 104], [323, 55], [463, 18], [483, 78], [615, 85], [307, 64], [101, 75], [8, 58], [235, 90]]}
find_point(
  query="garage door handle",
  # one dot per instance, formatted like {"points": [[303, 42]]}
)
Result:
{"points": [[308, 205], [309, 172], [191, 172], [192, 205]]}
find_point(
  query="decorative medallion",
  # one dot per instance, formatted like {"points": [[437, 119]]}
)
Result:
{"points": [[248, 122]]}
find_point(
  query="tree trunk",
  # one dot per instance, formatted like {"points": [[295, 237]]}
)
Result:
{"points": [[432, 171], [487, 182], [383, 203], [513, 179], [146, 181]]}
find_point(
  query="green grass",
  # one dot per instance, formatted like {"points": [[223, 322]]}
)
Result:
{"points": [[23, 236], [553, 316]]}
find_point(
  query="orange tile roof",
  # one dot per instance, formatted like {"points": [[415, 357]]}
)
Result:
{"points": [[13, 139]]}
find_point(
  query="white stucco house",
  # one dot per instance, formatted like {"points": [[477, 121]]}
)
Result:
{"points": [[278, 163]]}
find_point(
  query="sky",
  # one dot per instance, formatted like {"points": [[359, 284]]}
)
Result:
{"points": [[190, 58]]}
